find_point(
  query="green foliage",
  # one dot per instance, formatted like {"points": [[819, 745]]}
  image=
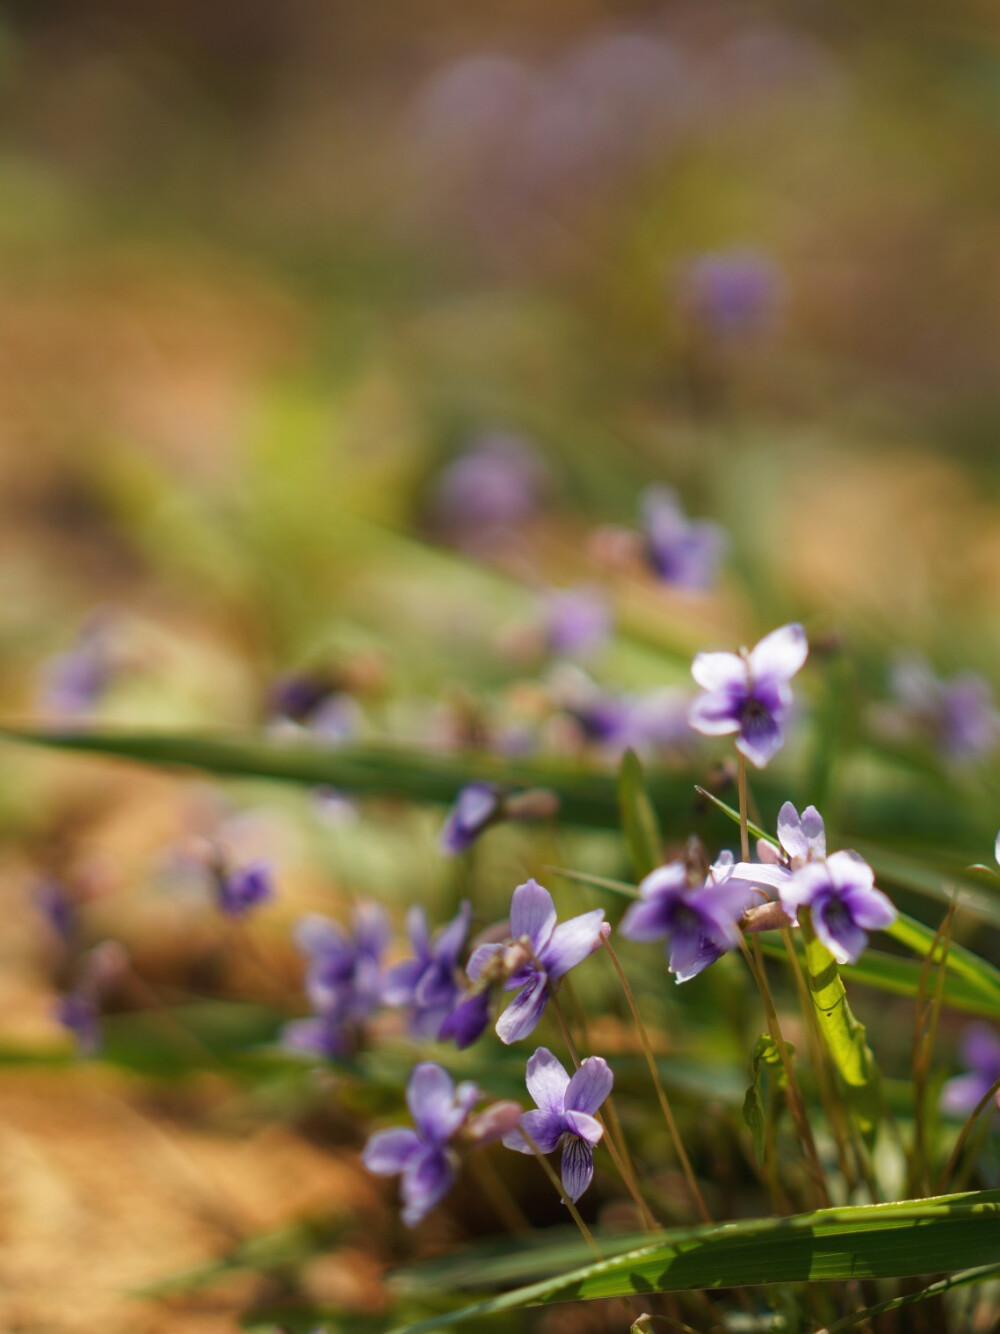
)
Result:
{"points": [[642, 830]]}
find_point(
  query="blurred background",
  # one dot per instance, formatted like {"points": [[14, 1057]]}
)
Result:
{"points": [[333, 337]]}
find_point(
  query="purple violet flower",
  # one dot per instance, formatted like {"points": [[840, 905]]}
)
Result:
{"points": [[731, 293], [540, 952], [422, 1157], [843, 902], [476, 806], [239, 892], [344, 977], [317, 1036], [317, 705], [801, 838], [57, 908], [958, 714], [77, 1011], [76, 681], [565, 1115], [427, 981], [700, 920], [748, 692], [468, 1020], [981, 1054], [491, 488], [682, 551]]}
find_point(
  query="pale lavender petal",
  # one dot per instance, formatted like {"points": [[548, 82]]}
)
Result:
{"points": [[720, 672], [416, 928], [815, 832], [774, 876], [960, 1096], [427, 1178], [401, 981], [791, 834], [647, 921], [447, 946], [870, 908], [584, 1126], [524, 1011], [577, 1167], [430, 1096], [545, 1128], [768, 853], [571, 942], [481, 958], [547, 1081], [780, 654], [802, 886], [690, 952], [532, 914], [590, 1085], [848, 871], [671, 876], [835, 927], [715, 714], [388, 1152], [981, 1050], [314, 934]]}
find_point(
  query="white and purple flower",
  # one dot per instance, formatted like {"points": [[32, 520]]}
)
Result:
{"points": [[699, 918], [565, 1115], [749, 693], [843, 902], [541, 950]]}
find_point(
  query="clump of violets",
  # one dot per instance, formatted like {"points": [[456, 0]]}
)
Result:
{"points": [[681, 551], [748, 693], [697, 915], [956, 715], [540, 952], [843, 903], [425, 1157], [344, 981], [428, 983], [565, 1116], [980, 1047]]}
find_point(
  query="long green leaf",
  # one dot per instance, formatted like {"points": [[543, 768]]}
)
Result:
{"points": [[946, 1233]]}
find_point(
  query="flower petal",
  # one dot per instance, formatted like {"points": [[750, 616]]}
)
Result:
{"points": [[815, 832], [388, 1151], [961, 1095], [524, 1011], [532, 914], [577, 1167], [716, 714], [870, 908], [836, 928], [547, 1081], [646, 921], [690, 953], [427, 1178], [980, 1046], [849, 871], [571, 942], [590, 1085], [449, 941], [545, 1128], [720, 672], [791, 835], [780, 654], [584, 1126], [480, 959], [760, 738], [430, 1096]]}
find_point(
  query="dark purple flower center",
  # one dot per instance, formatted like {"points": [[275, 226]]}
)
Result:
{"points": [[686, 918], [837, 915]]}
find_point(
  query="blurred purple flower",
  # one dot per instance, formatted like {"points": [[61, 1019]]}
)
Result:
{"points": [[427, 982], [749, 693], [491, 488], [682, 551], [318, 1036], [344, 974], [540, 953], [422, 1157], [981, 1055], [77, 1011], [843, 902], [958, 715], [476, 806], [731, 293], [468, 1020], [577, 622], [55, 905], [74, 682], [700, 919], [241, 890], [565, 1115], [315, 703]]}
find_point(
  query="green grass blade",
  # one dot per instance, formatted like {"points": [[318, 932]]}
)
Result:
{"points": [[945, 1233], [639, 822]]}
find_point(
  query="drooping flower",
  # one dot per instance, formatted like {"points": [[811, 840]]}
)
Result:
{"points": [[697, 916], [241, 890], [540, 952], [565, 1115], [957, 715], [425, 1157], [682, 551], [427, 982], [749, 692], [843, 902], [476, 806], [981, 1055]]}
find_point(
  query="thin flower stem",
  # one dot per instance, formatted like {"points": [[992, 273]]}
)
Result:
{"points": [[795, 1102], [661, 1094], [741, 785], [924, 1036], [585, 1231], [960, 1143], [618, 1152]]}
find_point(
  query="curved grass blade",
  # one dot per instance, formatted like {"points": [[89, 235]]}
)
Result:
{"points": [[965, 1279], [871, 1241]]}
